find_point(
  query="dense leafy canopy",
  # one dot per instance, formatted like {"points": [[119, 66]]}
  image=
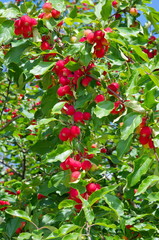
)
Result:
{"points": [[79, 108]]}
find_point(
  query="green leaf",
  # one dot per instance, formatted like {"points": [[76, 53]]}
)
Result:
{"points": [[72, 236], [135, 105], [41, 68], [103, 109], [24, 236], [131, 121], [57, 108], [73, 13], [97, 195], [63, 230], [67, 203], [19, 213], [49, 100], [72, 66], [123, 146], [42, 146], [139, 52], [150, 99], [45, 121], [154, 79], [104, 223], [15, 53], [88, 211], [106, 10], [58, 4], [153, 197], [12, 225], [142, 165], [6, 31], [45, 190], [50, 23], [115, 204], [146, 183], [59, 154], [11, 12]]}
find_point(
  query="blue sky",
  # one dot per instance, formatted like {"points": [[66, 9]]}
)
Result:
{"points": [[155, 4]]}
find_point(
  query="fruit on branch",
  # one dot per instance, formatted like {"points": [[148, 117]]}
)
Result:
{"points": [[24, 26], [74, 176], [55, 13], [117, 15], [64, 134], [99, 98], [133, 11], [86, 165], [47, 7], [119, 108], [40, 196], [115, 4], [114, 87], [92, 187], [152, 39], [5, 204], [103, 150]]}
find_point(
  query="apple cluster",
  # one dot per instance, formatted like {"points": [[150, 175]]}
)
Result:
{"points": [[3, 203], [145, 132], [97, 38], [149, 49], [22, 225], [75, 165], [74, 194], [24, 26], [49, 12]]}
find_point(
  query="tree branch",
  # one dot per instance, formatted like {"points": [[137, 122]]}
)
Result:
{"points": [[8, 123], [7, 165], [117, 95], [6, 97]]}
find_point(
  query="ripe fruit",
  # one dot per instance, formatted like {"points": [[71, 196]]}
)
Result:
{"points": [[85, 81], [133, 11], [78, 117], [103, 150], [86, 165], [40, 196], [3, 203], [86, 116], [73, 193], [90, 38], [47, 7], [115, 4], [64, 134], [118, 108], [92, 187], [86, 32], [74, 131], [146, 131], [45, 46], [99, 98], [55, 13], [75, 175], [114, 87]]}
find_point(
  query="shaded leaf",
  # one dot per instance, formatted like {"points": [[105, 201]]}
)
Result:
{"points": [[146, 183], [103, 109], [142, 165]]}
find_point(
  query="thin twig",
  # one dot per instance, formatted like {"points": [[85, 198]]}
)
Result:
{"points": [[23, 166], [117, 95], [7, 165], [156, 155], [6, 98], [8, 123]]}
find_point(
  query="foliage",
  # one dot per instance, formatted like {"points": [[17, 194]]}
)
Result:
{"points": [[79, 103]]}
